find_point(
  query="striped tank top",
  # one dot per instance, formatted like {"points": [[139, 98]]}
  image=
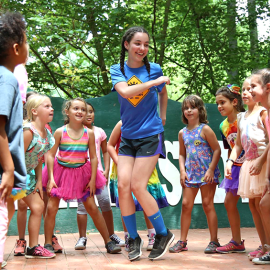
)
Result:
{"points": [[73, 152]]}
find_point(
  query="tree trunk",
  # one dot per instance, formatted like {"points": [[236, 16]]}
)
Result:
{"points": [[232, 68], [253, 32], [164, 31]]}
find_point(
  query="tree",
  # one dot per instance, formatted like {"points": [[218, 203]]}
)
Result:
{"points": [[201, 45]]}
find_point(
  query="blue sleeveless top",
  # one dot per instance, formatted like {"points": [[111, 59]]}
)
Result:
{"points": [[198, 157]]}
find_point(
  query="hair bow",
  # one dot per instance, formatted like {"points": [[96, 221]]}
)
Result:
{"points": [[234, 88]]}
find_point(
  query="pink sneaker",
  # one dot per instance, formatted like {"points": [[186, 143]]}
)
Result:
{"points": [[254, 253], [232, 247], [20, 248], [38, 252], [151, 241], [57, 248]]}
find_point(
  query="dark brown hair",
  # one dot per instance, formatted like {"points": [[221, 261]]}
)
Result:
{"points": [[12, 30], [196, 102], [127, 37], [225, 91]]}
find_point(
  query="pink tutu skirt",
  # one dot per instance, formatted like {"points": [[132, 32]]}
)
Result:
{"points": [[71, 182], [251, 186]]}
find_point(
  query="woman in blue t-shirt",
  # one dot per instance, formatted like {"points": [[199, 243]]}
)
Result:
{"points": [[138, 84]]}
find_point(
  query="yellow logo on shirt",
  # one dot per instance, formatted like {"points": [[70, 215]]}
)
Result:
{"points": [[136, 99]]}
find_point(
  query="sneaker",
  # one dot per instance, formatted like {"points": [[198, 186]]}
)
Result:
{"points": [[49, 247], [57, 248], [254, 253], [161, 245], [20, 248], [4, 263], [151, 241], [38, 252], [112, 248], [81, 244], [126, 243], [265, 259], [119, 242], [179, 246], [211, 248], [232, 247], [135, 248]]}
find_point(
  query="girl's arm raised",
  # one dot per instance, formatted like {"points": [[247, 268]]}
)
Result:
{"points": [[115, 135], [236, 151], [256, 168], [106, 159], [130, 91], [182, 159], [94, 162], [163, 101], [211, 138], [50, 156]]}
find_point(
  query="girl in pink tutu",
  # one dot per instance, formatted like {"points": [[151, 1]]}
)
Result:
{"points": [[251, 137], [260, 89], [70, 176], [230, 104]]}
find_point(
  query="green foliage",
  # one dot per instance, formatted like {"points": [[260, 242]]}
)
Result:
{"points": [[197, 42]]}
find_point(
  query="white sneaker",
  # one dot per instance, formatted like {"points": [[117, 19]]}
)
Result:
{"points": [[151, 241], [119, 242], [81, 244], [4, 263]]}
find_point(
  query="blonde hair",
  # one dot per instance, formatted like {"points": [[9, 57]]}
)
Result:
{"points": [[33, 102], [67, 105], [196, 102]]}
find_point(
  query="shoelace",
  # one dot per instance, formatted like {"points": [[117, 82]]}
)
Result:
{"points": [[131, 244], [116, 238], [157, 241], [179, 244]]}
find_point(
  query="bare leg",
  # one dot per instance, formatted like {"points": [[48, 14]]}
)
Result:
{"points": [[265, 211], [189, 195], [208, 193], [123, 223], [82, 225], [124, 171], [108, 217], [148, 223], [21, 218], [257, 220], [98, 219], [49, 224], [233, 216], [142, 170], [36, 205], [11, 209]]}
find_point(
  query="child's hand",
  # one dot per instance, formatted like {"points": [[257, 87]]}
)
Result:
{"points": [[6, 185], [183, 178], [162, 79], [255, 168], [106, 175], [209, 176], [267, 189], [38, 189], [92, 188], [228, 170], [51, 184]]}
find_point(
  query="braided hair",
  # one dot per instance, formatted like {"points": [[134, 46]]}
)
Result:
{"points": [[127, 37]]}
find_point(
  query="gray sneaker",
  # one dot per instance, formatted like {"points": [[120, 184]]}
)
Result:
{"points": [[49, 247], [135, 248], [265, 259], [81, 244]]}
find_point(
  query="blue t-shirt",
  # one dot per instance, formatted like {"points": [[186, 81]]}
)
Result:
{"points": [[11, 107], [139, 113]]}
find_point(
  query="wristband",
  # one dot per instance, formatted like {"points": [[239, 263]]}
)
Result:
{"points": [[229, 159]]}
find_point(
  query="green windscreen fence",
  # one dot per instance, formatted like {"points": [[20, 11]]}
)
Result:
{"points": [[107, 114]]}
